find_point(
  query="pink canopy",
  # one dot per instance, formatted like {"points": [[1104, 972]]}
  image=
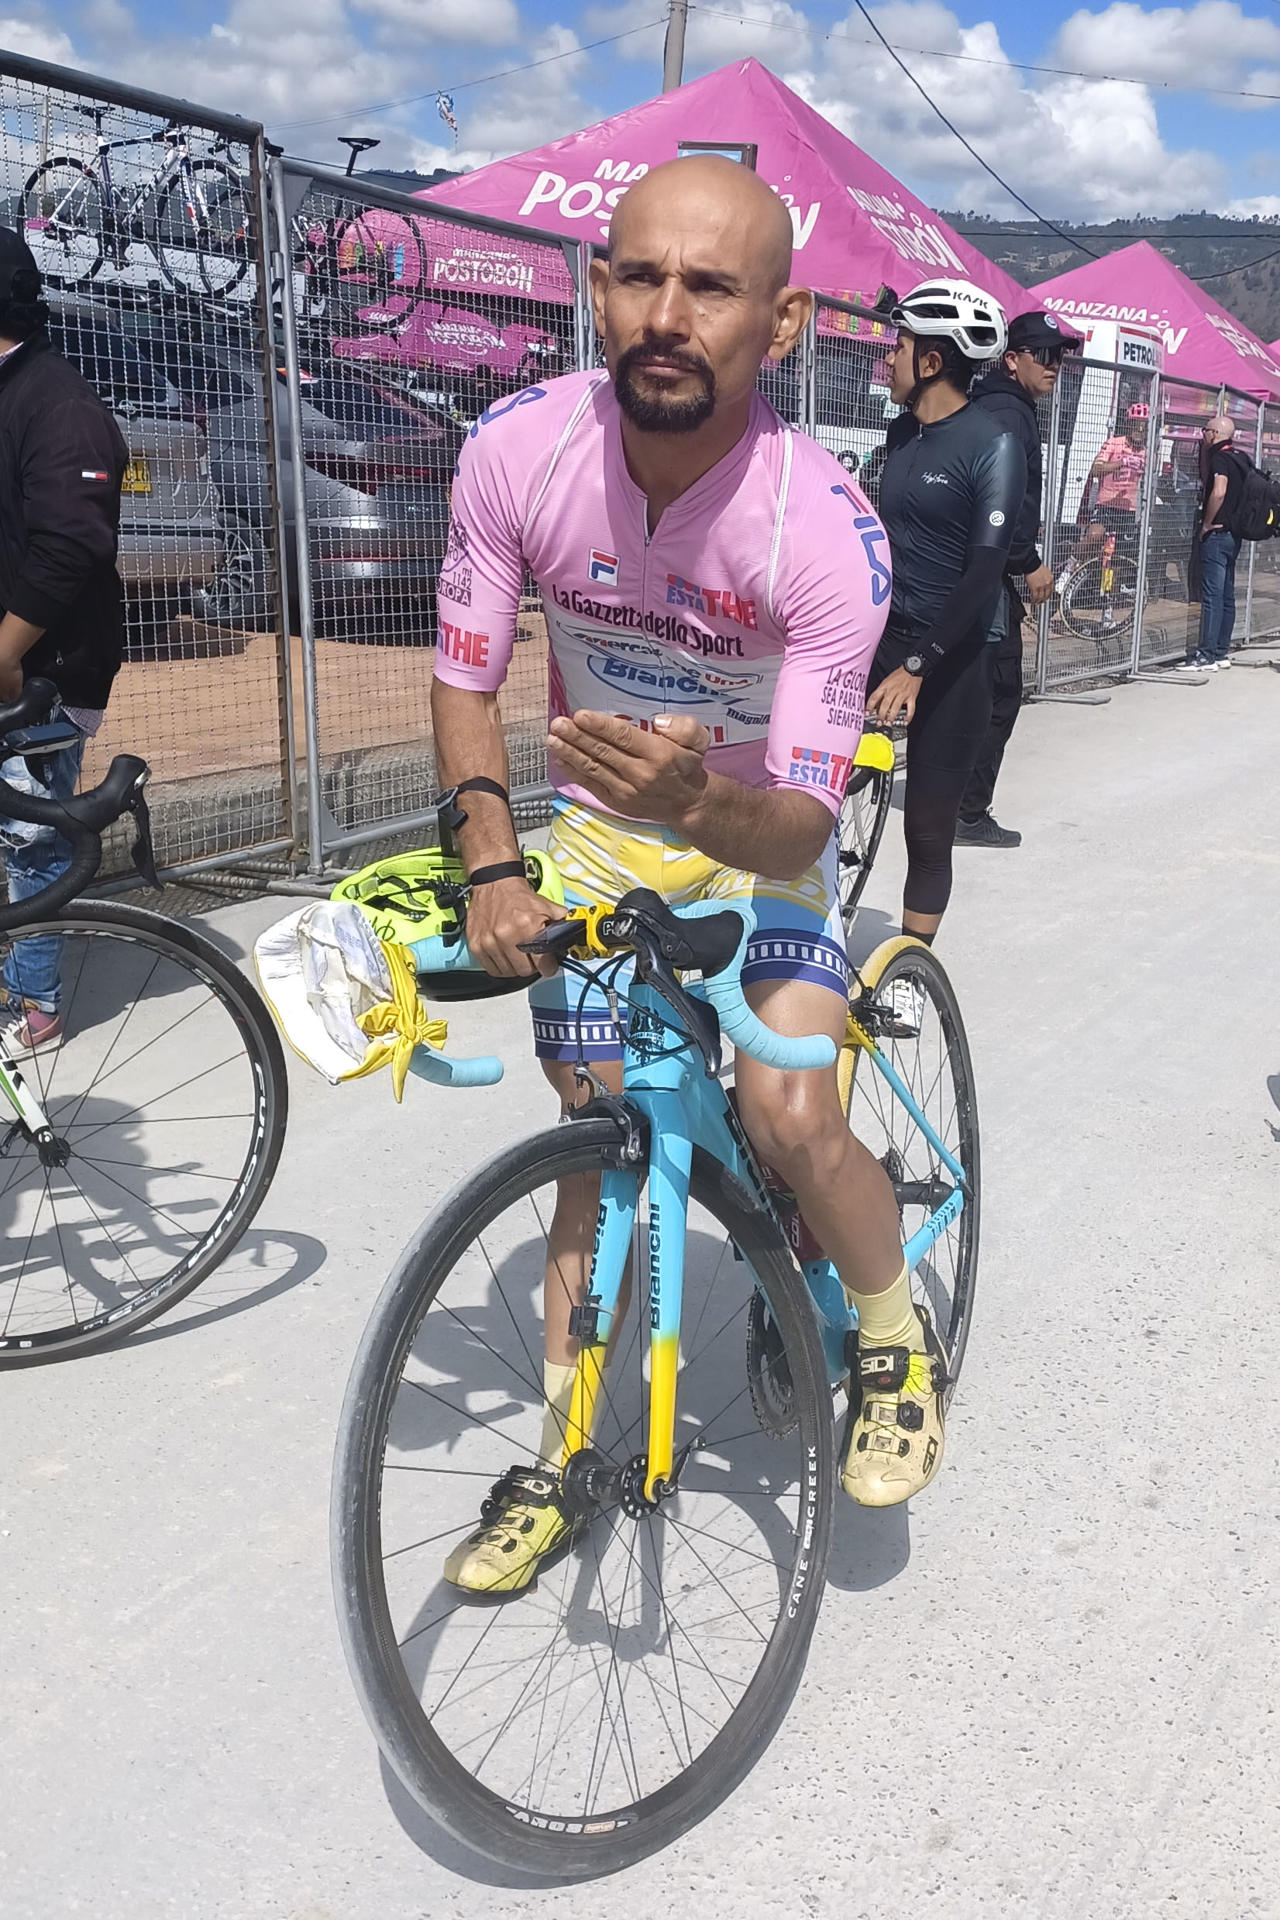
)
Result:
{"points": [[856, 228], [1202, 341]]}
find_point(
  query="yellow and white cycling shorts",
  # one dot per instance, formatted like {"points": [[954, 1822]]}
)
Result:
{"points": [[799, 934]]}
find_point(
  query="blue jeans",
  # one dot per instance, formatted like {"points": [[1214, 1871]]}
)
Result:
{"points": [[1218, 553], [31, 969]]}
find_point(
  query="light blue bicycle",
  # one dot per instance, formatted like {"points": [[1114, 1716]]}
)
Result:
{"points": [[580, 1725]]}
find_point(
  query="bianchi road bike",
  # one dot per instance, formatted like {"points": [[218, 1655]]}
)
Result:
{"points": [[192, 213], [138, 1141], [575, 1728]]}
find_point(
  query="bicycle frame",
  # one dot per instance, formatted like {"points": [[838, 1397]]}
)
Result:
{"points": [[123, 215], [668, 1086]]}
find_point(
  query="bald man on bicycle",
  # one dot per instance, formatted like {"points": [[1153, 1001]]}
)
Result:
{"points": [[714, 588]]}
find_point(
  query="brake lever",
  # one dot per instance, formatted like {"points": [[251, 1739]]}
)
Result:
{"points": [[144, 853], [698, 1017]]}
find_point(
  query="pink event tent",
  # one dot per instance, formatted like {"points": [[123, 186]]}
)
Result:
{"points": [[1202, 341], [856, 228]]}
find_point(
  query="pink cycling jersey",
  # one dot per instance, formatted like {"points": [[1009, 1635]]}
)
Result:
{"points": [[755, 605]]}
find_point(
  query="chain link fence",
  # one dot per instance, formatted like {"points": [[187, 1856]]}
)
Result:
{"points": [[145, 216]]}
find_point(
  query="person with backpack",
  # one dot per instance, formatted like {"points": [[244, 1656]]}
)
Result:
{"points": [[1227, 472]]}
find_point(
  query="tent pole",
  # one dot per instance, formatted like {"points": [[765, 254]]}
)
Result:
{"points": [[673, 50]]}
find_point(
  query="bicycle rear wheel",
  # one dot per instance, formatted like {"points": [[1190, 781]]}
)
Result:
{"points": [[62, 213], [861, 828], [582, 1724], [930, 1053], [1098, 615], [165, 1098]]}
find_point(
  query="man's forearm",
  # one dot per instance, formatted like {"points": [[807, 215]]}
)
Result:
{"points": [[1213, 505], [469, 741], [770, 832]]}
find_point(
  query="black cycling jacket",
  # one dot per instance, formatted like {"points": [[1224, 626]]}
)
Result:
{"points": [[949, 497], [1007, 402]]}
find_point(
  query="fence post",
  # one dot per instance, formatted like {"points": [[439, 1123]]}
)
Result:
{"points": [[267, 254], [1253, 545], [808, 421], [302, 545], [1155, 403], [584, 319], [1045, 611]]}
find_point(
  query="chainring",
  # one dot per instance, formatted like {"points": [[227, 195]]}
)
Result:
{"points": [[768, 1372]]}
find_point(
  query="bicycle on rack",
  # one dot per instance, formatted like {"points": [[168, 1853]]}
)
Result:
{"points": [[863, 815], [581, 1725], [194, 214], [1101, 596], [140, 1145]]}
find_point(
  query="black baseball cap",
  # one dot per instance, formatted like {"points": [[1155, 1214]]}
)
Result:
{"points": [[19, 275], [1031, 331]]}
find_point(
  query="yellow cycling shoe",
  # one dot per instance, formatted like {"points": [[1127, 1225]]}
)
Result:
{"points": [[522, 1521], [896, 1442]]}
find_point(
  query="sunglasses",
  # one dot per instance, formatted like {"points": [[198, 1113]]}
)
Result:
{"points": [[1045, 356]]}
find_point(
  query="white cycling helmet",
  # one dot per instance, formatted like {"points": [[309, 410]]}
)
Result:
{"points": [[958, 311]]}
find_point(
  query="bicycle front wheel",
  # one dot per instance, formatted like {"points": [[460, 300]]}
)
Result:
{"points": [[909, 1006], [576, 1727], [1099, 610], [164, 1099], [861, 828], [204, 230], [62, 214]]}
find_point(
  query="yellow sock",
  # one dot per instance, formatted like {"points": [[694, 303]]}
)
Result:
{"points": [[557, 1385], [888, 1319]]}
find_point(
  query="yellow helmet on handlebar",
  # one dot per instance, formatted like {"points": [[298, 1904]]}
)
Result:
{"points": [[414, 895]]}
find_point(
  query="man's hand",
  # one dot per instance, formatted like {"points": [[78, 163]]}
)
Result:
{"points": [[656, 776], [499, 917], [1039, 586], [895, 697]]}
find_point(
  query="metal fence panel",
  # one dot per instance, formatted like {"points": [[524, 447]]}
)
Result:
{"points": [[1264, 594], [410, 327], [144, 216]]}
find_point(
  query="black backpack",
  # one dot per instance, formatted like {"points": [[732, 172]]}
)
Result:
{"points": [[1258, 515]]}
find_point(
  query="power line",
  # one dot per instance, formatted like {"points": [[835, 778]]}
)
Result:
{"points": [[1133, 233], [966, 144], [984, 59], [459, 86]]}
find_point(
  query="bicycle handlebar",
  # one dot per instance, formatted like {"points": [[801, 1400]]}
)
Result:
{"points": [[80, 819]]}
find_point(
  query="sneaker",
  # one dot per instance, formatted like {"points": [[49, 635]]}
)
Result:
{"points": [[986, 832], [28, 1030], [523, 1520], [906, 1008], [1194, 663], [1224, 663], [896, 1442]]}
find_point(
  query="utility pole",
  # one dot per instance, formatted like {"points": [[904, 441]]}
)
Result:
{"points": [[673, 51]]}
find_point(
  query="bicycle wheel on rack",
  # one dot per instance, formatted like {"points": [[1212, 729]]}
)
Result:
{"points": [[582, 1724], [861, 827], [165, 1100], [926, 1045], [62, 214], [204, 229], [1096, 614]]}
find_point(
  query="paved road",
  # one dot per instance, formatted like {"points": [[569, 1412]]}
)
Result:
{"points": [[1050, 1691]]}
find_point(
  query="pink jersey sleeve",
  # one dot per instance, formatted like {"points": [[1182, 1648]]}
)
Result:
{"points": [[478, 594], [833, 600]]}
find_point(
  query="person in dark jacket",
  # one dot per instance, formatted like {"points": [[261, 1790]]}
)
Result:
{"points": [[1032, 362], [62, 463]]}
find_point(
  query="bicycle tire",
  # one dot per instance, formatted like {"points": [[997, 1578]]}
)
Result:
{"points": [[39, 202], [1085, 587], [168, 252], [906, 958], [863, 815], [193, 953], [583, 1846]]}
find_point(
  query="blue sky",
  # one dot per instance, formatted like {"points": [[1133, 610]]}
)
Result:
{"points": [[1150, 137]]}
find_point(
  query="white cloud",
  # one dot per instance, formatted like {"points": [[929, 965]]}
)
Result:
{"points": [[717, 33], [513, 114], [482, 22], [36, 39], [1212, 44]]}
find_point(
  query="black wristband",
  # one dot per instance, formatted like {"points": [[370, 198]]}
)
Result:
{"points": [[501, 870]]}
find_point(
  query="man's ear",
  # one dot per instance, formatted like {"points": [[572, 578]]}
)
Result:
{"points": [[791, 312]]}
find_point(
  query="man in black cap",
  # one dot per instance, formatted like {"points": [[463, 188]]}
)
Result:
{"points": [[62, 462], [1032, 361]]}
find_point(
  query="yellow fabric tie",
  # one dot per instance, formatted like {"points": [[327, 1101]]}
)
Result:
{"points": [[404, 1017]]}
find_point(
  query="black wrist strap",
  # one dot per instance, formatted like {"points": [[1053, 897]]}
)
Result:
{"points": [[500, 870], [450, 815]]}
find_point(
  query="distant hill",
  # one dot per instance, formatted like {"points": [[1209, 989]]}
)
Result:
{"points": [[1245, 252]]}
